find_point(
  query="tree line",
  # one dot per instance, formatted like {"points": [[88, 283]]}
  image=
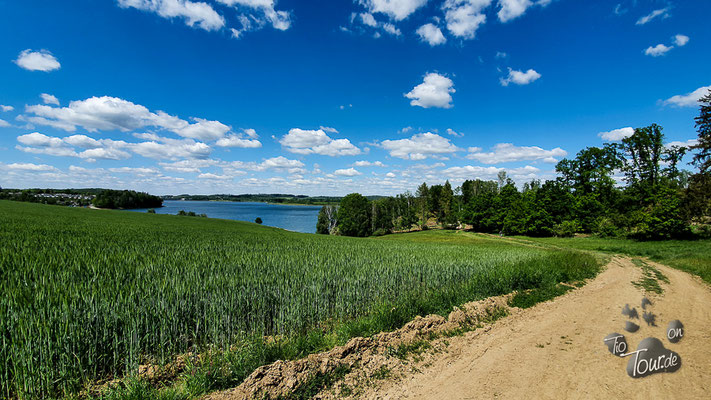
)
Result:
{"points": [[658, 201]]}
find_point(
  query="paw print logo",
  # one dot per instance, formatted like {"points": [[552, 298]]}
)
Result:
{"points": [[651, 356]]}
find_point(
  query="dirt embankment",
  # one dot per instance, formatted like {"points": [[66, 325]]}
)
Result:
{"points": [[553, 350]]}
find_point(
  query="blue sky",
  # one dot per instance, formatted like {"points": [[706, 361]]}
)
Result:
{"points": [[331, 97]]}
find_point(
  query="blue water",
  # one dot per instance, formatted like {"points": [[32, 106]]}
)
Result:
{"points": [[293, 218]]}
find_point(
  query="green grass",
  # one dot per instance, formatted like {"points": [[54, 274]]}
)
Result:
{"points": [[693, 256], [91, 295]]}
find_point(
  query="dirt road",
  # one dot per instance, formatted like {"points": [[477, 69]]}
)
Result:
{"points": [[555, 350]]}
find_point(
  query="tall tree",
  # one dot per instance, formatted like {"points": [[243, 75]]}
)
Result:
{"points": [[702, 158], [644, 151], [354, 215], [423, 194], [327, 220]]}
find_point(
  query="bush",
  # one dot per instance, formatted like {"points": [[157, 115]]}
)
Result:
{"points": [[151, 211], [567, 228], [380, 232], [606, 228], [258, 221]]}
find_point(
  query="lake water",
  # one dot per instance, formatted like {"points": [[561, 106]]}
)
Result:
{"points": [[290, 217]]}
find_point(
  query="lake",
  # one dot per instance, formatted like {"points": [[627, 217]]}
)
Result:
{"points": [[291, 217]]}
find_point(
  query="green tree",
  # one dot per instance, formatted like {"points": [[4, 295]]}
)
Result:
{"points": [[354, 213], [327, 220], [423, 194], [702, 158]]}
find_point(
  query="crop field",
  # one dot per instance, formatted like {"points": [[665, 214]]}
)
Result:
{"points": [[90, 295]]}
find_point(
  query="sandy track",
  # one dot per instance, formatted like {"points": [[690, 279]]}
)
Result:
{"points": [[555, 350]]}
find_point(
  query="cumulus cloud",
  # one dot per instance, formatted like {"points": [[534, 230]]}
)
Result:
{"points": [[454, 133], [464, 17], [681, 40], [616, 135], [30, 167], [41, 60], [364, 163], [6, 108], [420, 146], [658, 50], [172, 149], [431, 34], [512, 9], [346, 172], [4, 124], [489, 173], [519, 77], [197, 14], [301, 141], [689, 99], [209, 175], [106, 149], [662, 13], [395, 9], [49, 99], [237, 141], [91, 149], [255, 14], [508, 152], [434, 91], [114, 114], [368, 20]]}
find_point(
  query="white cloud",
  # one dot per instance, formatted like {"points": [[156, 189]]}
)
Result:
{"points": [[302, 141], [512, 9], [110, 113], [279, 162], [328, 129], [663, 13], [519, 77], [368, 19], [30, 167], [390, 175], [346, 172], [689, 99], [431, 34], [172, 149], [507, 152], [4, 124], [202, 129], [197, 14], [501, 54], [489, 173], [616, 135], [395, 9], [464, 17], [107, 149], [214, 176], [658, 50], [83, 141], [237, 141], [435, 91], [6, 108], [257, 13], [687, 143], [364, 163], [454, 133], [41, 60], [420, 146], [135, 171], [681, 40], [49, 99]]}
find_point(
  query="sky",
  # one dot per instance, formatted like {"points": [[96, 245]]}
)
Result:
{"points": [[329, 97]]}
